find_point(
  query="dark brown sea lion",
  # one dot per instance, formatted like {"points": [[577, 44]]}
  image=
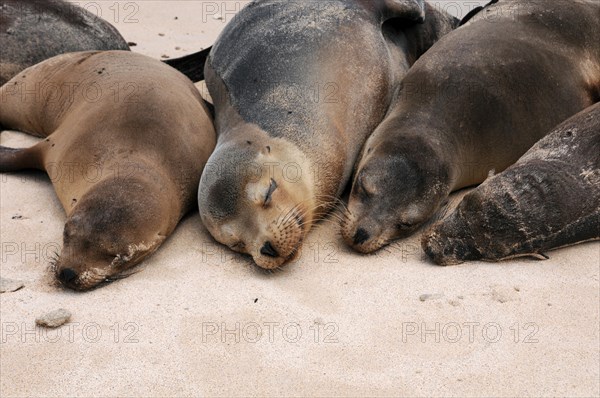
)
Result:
{"points": [[297, 88], [549, 199], [34, 30], [127, 139], [475, 102]]}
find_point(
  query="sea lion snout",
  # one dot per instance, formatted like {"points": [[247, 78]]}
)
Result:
{"points": [[363, 235], [74, 272], [452, 241], [80, 279], [268, 250], [282, 241], [444, 250], [66, 276]]}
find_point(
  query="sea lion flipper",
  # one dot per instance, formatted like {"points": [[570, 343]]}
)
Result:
{"points": [[412, 10], [540, 256], [16, 159], [191, 65], [474, 12]]}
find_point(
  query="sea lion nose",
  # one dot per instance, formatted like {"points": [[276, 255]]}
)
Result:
{"points": [[361, 236], [67, 275], [268, 250]]}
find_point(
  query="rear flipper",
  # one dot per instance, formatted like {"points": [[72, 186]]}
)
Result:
{"points": [[13, 159], [191, 65]]}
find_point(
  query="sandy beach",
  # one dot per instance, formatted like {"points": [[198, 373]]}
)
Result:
{"points": [[199, 320]]}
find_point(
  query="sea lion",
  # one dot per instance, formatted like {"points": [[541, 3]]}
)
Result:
{"points": [[126, 141], [475, 102], [549, 199], [297, 88], [32, 31]]}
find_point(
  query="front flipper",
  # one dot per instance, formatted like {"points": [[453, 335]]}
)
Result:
{"points": [[12, 159]]}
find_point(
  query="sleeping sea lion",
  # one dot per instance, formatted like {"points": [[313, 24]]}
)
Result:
{"points": [[549, 199], [297, 88], [34, 30], [475, 102], [126, 139]]}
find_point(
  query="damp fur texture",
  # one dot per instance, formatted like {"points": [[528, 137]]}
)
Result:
{"points": [[549, 199]]}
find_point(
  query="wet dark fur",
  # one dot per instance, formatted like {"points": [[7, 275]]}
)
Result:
{"points": [[482, 96], [34, 30], [549, 199]]}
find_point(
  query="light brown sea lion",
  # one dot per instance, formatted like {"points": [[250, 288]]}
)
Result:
{"points": [[127, 139], [475, 102], [34, 30], [549, 199], [297, 88]]}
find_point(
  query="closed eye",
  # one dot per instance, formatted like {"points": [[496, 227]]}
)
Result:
{"points": [[402, 226], [272, 188], [361, 189]]}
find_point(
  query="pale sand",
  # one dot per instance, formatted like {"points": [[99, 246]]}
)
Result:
{"points": [[163, 331]]}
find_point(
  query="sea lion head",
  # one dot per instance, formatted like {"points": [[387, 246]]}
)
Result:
{"points": [[109, 230], [458, 238], [397, 187], [256, 198]]}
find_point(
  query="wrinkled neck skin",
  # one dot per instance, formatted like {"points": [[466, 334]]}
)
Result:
{"points": [[73, 180], [407, 130]]}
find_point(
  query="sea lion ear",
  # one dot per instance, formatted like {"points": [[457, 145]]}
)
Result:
{"points": [[411, 10]]}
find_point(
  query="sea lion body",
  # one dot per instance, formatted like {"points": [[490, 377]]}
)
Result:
{"points": [[126, 141], [475, 102], [297, 88], [32, 31], [549, 199]]}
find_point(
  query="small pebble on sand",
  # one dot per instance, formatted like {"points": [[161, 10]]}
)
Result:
{"points": [[54, 319], [428, 297]]}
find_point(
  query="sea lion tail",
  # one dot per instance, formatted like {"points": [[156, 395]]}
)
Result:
{"points": [[16, 159], [191, 65]]}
